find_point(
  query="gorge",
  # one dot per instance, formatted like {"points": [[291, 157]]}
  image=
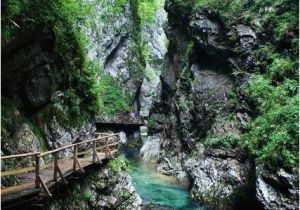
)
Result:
{"points": [[212, 87]]}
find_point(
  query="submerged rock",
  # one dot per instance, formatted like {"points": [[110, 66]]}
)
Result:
{"points": [[150, 206]]}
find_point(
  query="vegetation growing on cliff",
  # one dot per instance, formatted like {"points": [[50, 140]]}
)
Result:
{"points": [[273, 88], [67, 20], [119, 164], [111, 98]]}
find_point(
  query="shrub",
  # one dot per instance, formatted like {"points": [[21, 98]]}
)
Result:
{"points": [[111, 98], [275, 129], [214, 141], [120, 164]]}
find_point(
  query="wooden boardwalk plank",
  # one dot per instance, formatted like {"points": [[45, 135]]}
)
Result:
{"points": [[27, 176], [28, 179]]}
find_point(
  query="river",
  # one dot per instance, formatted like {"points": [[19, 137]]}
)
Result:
{"points": [[159, 189]]}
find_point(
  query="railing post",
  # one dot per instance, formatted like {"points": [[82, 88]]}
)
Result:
{"points": [[118, 140], [94, 152], [106, 147], [75, 157], [37, 171], [55, 156]]}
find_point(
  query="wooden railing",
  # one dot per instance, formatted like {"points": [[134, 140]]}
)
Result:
{"points": [[39, 183]]}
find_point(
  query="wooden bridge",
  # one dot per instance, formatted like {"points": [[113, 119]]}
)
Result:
{"points": [[125, 119], [39, 179]]}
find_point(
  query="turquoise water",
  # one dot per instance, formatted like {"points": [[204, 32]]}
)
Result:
{"points": [[159, 189]]}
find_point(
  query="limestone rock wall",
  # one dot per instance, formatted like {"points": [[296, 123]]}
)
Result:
{"points": [[200, 98]]}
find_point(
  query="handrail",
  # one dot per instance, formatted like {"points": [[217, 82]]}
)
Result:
{"points": [[75, 144], [40, 183], [58, 149], [20, 155]]}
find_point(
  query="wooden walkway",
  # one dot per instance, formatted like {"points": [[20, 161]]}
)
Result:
{"points": [[121, 119], [37, 180]]}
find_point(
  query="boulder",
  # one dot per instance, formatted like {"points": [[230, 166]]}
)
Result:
{"points": [[151, 150], [117, 190], [25, 141], [247, 38], [277, 190], [220, 178]]}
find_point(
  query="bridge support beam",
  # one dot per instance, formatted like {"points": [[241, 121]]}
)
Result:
{"points": [[61, 175], [55, 166], [37, 171], [107, 150], [76, 161], [44, 188], [95, 154]]}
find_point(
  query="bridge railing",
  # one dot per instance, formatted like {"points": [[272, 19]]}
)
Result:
{"points": [[100, 139]]}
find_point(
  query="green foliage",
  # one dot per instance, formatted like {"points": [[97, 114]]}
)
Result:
{"points": [[145, 50], [145, 12], [147, 9], [228, 7], [233, 100], [110, 96], [120, 164], [183, 107], [275, 129], [83, 195], [213, 141], [276, 65], [65, 20], [120, 4], [274, 87], [151, 121], [64, 16], [111, 8], [189, 48], [83, 91], [73, 101], [12, 180], [40, 136]]}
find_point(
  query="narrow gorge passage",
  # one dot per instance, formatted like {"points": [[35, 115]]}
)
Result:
{"points": [[204, 93]]}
